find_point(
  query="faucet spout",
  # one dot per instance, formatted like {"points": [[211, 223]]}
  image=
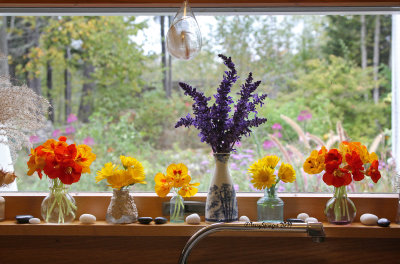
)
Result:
{"points": [[314, 230]]}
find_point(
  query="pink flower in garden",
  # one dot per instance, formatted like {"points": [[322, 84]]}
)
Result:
{"points": [[277, 134], [70, 130], [304, 115], [88, 141], [276, 126], [56, 133], [236, 187], [72, 118], [268, 144], [34, 139]]}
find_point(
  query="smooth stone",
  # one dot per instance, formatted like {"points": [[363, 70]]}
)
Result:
{"points": [[295, 220], [383, 222], [87, 219], [160, 220], [145, 220], [23, 219], [302, 216], [311, 220], [244, 218], [193, 219], [34, 221], [368, 219]]}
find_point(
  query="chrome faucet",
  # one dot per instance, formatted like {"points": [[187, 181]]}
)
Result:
{"points": [[314, 230]]}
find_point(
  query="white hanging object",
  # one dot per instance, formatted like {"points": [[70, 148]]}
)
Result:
{"points": [[184, 36]]}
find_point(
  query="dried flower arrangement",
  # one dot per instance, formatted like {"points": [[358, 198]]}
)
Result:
{"points": [[22, 112], [6, 178]]}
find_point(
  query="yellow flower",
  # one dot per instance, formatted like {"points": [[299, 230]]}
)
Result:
{"points": [[106, 171], [316, 162], [262, 175], [85, 157], [270, 161], [372, 157], [128, 161], [178, 174], [189, 190], [286, 173], [119, 179], [163, 184], [348, 147]]}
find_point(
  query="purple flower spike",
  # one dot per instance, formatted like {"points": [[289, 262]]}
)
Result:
{"points": [[220, 129]]}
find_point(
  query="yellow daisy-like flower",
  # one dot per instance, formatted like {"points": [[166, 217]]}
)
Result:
{"points": [[119, 178], [129, 162], [262, 175], [106, 171], [85, 157], [189, 190], [286, 173], [270, 161], [178, 174], [163, 184]]}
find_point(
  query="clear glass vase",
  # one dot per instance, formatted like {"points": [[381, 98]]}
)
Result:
{"points": [[58, 206], [122, 208], [270, 207], [340, 210], [221, 203], [177, 209]]}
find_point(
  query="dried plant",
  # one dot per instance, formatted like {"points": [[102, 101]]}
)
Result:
{"points": [[22, 112], [375, 144], [341, 132], [6, 178], [316, 139], [297, 128], [281, 148]]}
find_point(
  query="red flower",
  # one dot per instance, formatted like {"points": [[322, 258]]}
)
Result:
{"points": [[373, 171], [355, 165], [332, 160], [338, 177]]}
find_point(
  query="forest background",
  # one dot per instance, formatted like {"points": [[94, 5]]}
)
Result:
{"points": [[112, 89]]}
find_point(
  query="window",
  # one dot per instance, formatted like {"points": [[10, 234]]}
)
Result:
{"points": [[111, 87]]}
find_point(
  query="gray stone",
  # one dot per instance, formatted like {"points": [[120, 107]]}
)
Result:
{"points": [[160, 220], [383, 222], [193, 219], [244, 218], [23, 219], [368, 219], [302, 216], [34, 221], [87, 219], [145, 220]]}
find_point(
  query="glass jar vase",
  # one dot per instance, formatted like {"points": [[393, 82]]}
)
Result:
{"points": [[340, 210], [270, 207], [122, 208], [58, 206], [177, 209]]}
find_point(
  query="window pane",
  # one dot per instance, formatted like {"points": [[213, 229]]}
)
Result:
{"points": [[111, 87]]}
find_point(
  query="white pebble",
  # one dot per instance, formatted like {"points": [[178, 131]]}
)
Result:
{"points": [[34, 221], [311, 220], [302, 216], [193, 219], [244, 218], [369, 219], [87, 219]]}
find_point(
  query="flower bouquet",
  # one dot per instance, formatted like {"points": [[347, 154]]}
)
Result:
{"points": [[350, 162], [63, 164], [221, 130], [122, 208], [177, 179], [263, 176]]}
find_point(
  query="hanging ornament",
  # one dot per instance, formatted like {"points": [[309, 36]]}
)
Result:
{"points": [[184, 36]]}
